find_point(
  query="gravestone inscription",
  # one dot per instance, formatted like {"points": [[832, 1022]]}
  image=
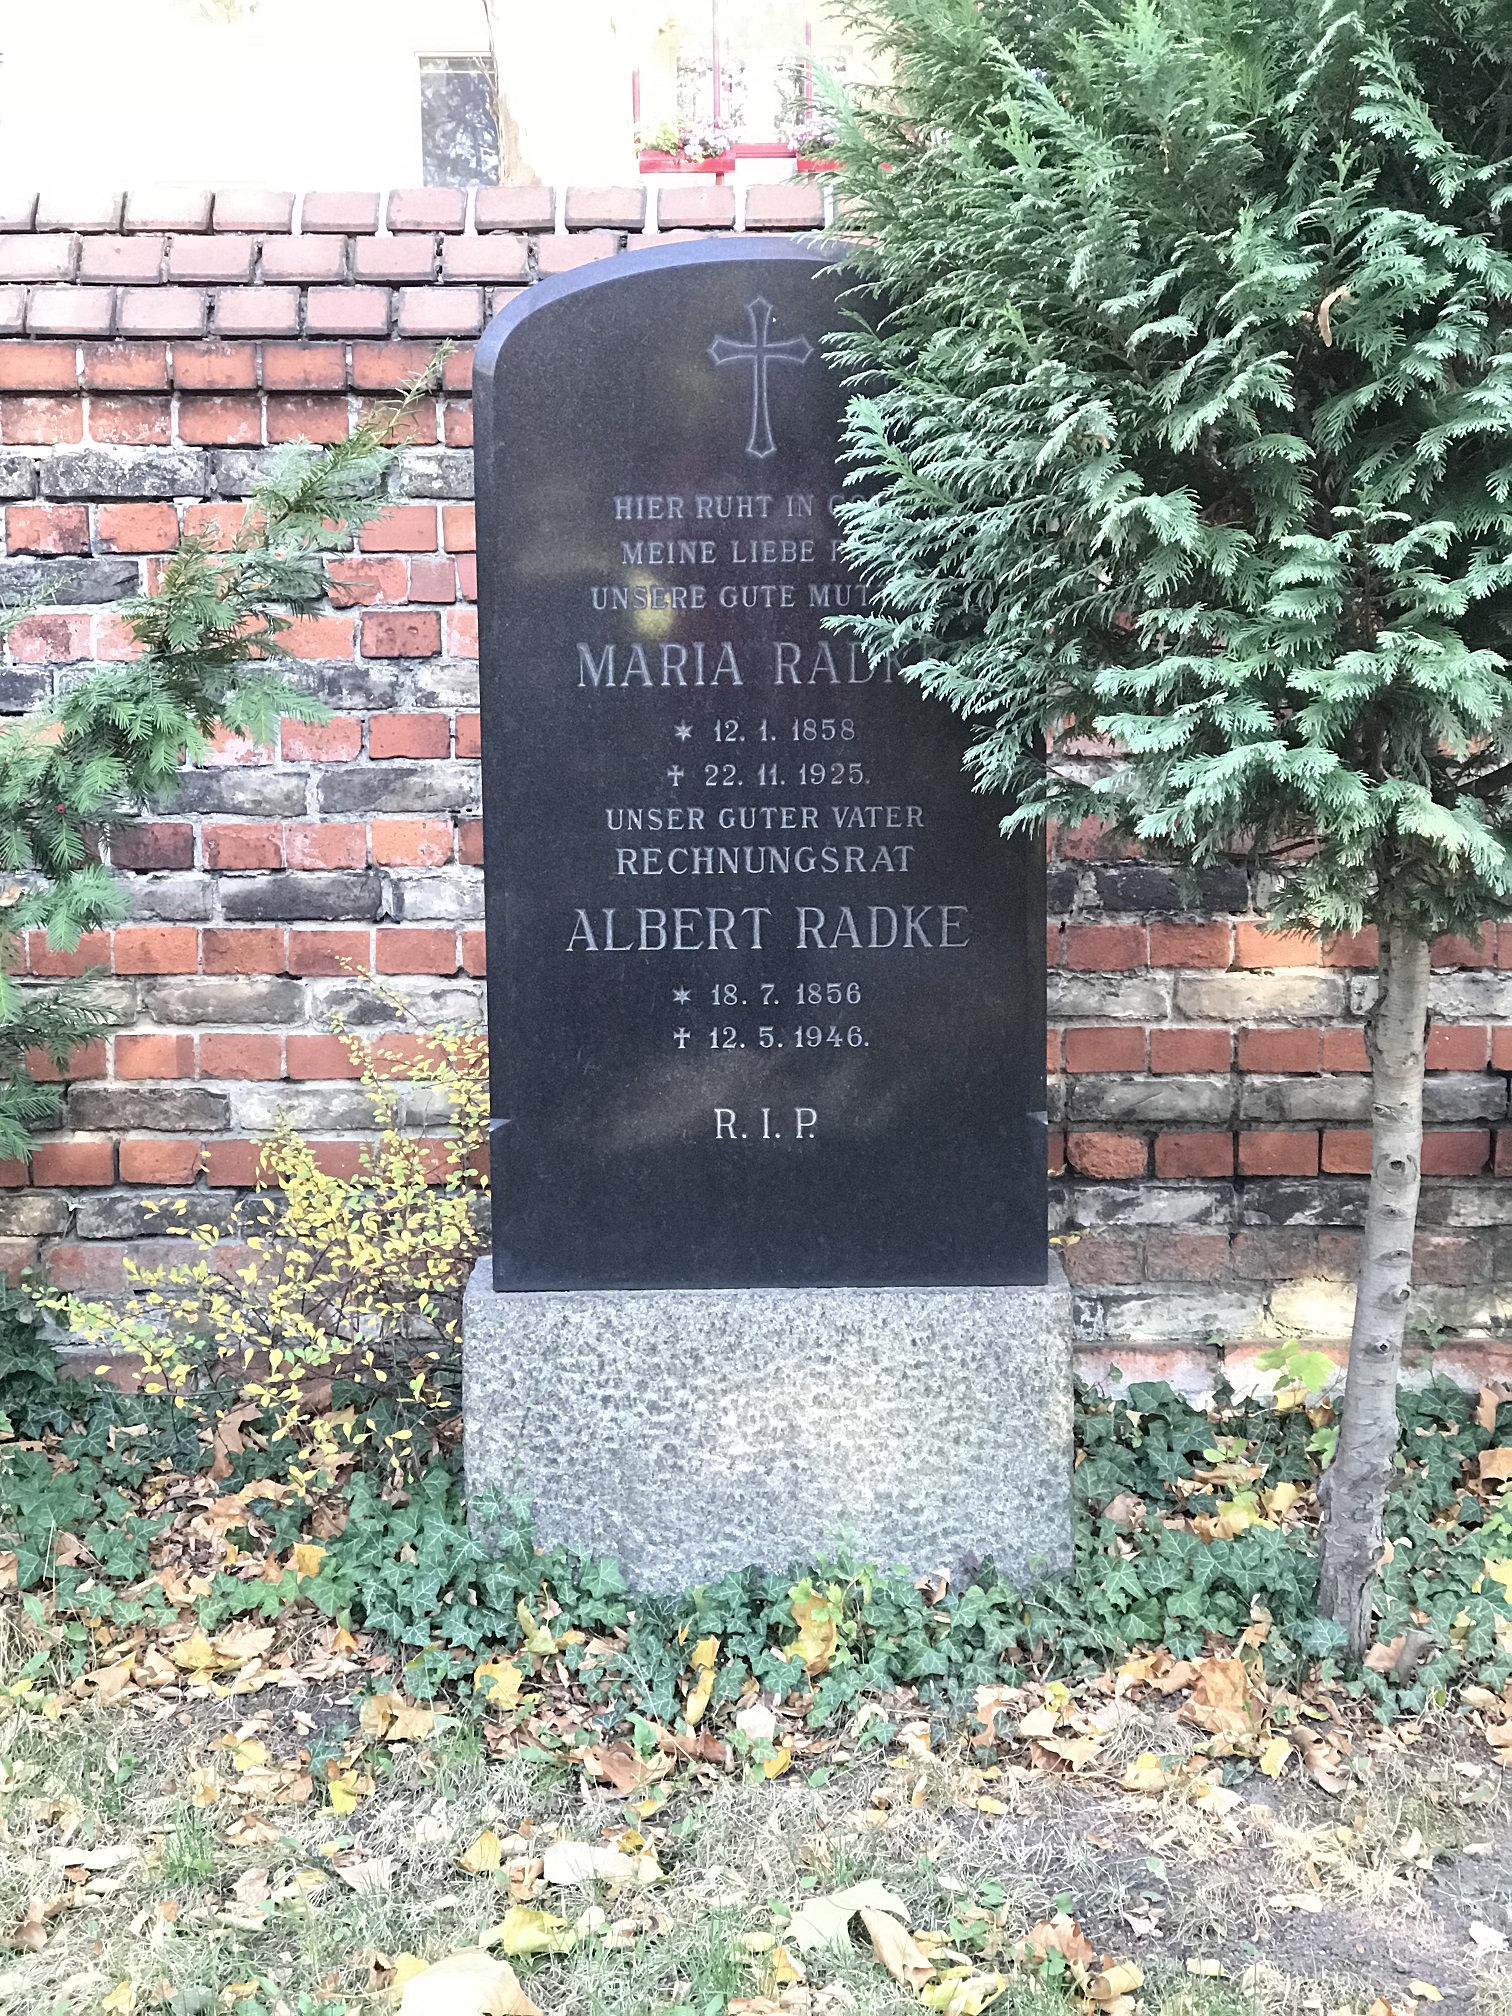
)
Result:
{"points": [[766, 983]]}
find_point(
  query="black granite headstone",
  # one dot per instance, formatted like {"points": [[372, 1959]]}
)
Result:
{"points": [[766, 986]]}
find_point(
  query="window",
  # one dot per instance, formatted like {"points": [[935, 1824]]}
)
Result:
{"points": [[718, 72], [459, 124]]}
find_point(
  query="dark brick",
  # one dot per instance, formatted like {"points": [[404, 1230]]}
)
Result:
{"points": [[122, 1214], [20, 691], [398, 787], [32, 1214], [139, 472], [243, 1001], [1223, 889], [264, 793], [346, 685], [1134, 887], [313, 898], [1281, 1201], [186, 1109], [433, 472], [18, 478], [236, 472], [1060, 889], [68, 582], [176, 899]]}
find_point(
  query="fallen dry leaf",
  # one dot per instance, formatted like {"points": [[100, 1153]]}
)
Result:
{"points": [[389, 1718], [1220, 1698], [622, 1766], [470, 1983], [818, 1633], [825, 1921], [893, 1947], [1060, 1934], [1496, 1465]]}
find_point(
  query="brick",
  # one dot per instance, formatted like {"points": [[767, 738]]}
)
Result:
{"points": [[32, 259], [257, 311], [88, 1061], [1504, 1151], [12, 311], [79, 209], [70, 311], [620, 209], [1107, 1155], [215, 525], [154, 1056], [475, 953], [1461, 1151], [386, 367], [38, 367], [253, 209], [1105, 948], [1344, 1050], [50, 640], [309, 897], [784, 206], [407, 633], [462, 633], [162, 311], [1095, 1260], [498, 258], [307, 417], [323, 953], [469, 735], [223, 259], [1478, 952], [456, 372], [564, 252], [470, 852], [243, 951], [333, 741], [403, 950], [319, 637], [312, 846], [1453, 1048], [1188, 1050], [151, 1159], [1187, 1256], [92, 950], [1280, 1050], [339, 210], [18, 209], [440, 311], [73, 1165], [304, 367], [1105, 1049], [234, 1165], [529, 206], [366, 580], [1264, 1153], [412, 843], [119, 261], [136, 528], [403, 528], [240, 1055], [1195, 1154], [467, 575], [432, 579], [320, 1057], [695, 204], [240, 847], [1204, 944], [40, 422], [46, 528], [126, 367], [347, 311], [413, 735], [432, 209], [1352, 948], [155, 948], [392, 260], [1501, 1047], [1262, 949], [126, 422], [114, 640], [141, 848], [230, 421], [170, 208], [458, 426], [215, 367]]}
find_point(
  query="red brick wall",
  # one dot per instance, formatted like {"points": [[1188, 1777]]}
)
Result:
{"points": [[1207, 1077]]}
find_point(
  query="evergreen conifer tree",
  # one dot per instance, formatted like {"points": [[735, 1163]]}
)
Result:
{"points": [[1187, 423]]}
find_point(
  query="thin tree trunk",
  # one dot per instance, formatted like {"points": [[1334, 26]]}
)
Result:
{"points": [[1355, 1484]]}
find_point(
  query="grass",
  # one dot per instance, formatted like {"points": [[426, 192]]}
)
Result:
{"points": [[1418, 1848]]}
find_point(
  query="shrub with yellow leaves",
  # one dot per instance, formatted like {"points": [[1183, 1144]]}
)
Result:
{"points": [[325, 1274]]}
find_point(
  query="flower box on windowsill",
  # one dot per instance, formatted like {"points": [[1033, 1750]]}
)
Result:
{"points": [[653, 162], [809, 165], [763, 150]]}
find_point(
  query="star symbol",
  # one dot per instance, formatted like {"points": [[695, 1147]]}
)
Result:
{"points": [[681, 996], [683, 730]]}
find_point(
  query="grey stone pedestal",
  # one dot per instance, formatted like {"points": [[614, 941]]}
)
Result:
{"points": [[695, 1431]]}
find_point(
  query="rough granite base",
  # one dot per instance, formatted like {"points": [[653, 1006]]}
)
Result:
{"points": [[695, 1431]]}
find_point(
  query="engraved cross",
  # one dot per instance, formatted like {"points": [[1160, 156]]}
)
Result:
{"points": [[759, 353]]}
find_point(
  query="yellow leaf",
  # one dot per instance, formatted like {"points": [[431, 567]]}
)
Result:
{"points": [[485, 1854], [538, 1639], [121, 2000], [389, 1718], [1425, 1991], [1274, 1755], [503, 1679], [703, 1655], [775, 1766], [1039, 1722], [1500, 1570], [818, 1633], [471, 1983], [529, 1931], [307, 1559], [1145, 1774], [344, 1789], [897, 1952]]}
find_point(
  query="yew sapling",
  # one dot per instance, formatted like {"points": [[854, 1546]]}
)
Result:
{"points": [[1185, 436]]}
